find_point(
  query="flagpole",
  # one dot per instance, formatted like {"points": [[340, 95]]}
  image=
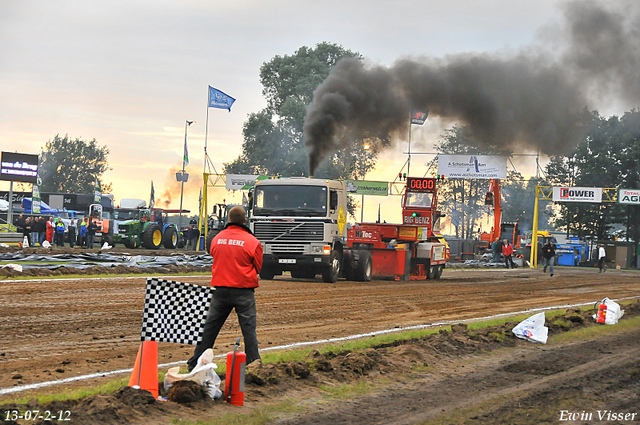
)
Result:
{"points": [[409, 159], [205, 176]]}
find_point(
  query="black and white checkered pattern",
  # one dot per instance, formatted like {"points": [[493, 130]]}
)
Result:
{"points": [[174, 311]]}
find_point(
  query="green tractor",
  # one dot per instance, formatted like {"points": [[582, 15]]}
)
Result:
{"points": [[149, 229]]}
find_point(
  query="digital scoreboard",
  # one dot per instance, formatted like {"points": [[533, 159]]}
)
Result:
{"points": [[421, 184], [19, 167]]}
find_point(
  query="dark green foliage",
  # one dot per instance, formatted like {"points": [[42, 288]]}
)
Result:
{"points": [[273, 139], [72, 166], [608, 157]]}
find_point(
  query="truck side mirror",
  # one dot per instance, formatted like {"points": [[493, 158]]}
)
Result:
{"points": [[333, 200]]}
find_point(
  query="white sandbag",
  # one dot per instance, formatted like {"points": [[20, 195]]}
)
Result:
{"points": [[46, 244], [613, 312], [106, 246], [203, 374], [532, 329], [16, 267]]}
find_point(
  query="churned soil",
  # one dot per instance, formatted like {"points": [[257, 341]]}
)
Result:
{"points": [[55, 329]]}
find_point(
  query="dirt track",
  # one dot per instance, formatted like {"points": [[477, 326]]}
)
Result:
{"points": [[53, 329]]}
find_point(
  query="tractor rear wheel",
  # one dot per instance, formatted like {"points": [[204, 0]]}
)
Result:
{"points": [[170, 238], [152, 236]]}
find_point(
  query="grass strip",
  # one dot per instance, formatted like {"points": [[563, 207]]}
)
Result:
{"points": [[302, 355]]}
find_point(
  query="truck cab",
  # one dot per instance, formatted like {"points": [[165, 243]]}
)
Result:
{"points": [[301, 223]]}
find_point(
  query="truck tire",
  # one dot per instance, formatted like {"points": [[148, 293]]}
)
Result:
{"points": [[331, 273], [364, 269], [432, 272], [349, 268], [152, 236], [170, 238], [267, 273], [439, 270], [109, 239]]}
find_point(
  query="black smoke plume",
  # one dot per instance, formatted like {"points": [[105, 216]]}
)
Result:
{"points": [[532, 97]]}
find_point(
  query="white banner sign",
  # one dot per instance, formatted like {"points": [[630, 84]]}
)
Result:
{"points": [[629, 196], [239, 181], [472, 166], [577, 194]]}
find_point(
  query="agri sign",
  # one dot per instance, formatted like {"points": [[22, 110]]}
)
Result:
{"points": [[629, 196]]}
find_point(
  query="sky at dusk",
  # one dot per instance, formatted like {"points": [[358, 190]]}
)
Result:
{"points": [[129, 73]]}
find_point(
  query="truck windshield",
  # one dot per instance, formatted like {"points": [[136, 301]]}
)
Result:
{"points": [[417, 199], [291, 200], [123, 215]]}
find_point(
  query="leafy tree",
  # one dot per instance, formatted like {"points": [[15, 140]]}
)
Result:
{"points": [[607, 157], [273, 137], [72, 166]]}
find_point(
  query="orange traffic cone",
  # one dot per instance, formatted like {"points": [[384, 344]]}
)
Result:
{"points": [[145, 370]]}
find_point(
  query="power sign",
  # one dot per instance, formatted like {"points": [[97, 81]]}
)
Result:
{"points": [[577, 194]]}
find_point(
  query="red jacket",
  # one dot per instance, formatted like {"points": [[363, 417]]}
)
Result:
{"points": [[507, 249], [237, 258]]}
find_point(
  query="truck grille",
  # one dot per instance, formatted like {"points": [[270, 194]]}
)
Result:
{"points": [[287, 249], [289, 231]]}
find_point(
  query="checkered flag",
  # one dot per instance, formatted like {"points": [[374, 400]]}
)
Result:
{"points": [[174, 311]]}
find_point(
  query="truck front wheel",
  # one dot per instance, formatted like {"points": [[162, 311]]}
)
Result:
{"points": [[331, 273], [267, 273]]}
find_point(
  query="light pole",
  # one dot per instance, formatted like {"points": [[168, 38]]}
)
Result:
{"points": [[181, 176], [366, 148]]}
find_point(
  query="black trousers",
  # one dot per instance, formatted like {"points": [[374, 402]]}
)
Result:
{"points": [[224, 301]]}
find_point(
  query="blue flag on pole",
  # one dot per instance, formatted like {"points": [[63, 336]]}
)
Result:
{"points": [[217, 99]]}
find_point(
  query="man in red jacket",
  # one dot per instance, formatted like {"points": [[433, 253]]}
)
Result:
{"points": [[507, 252], [237, 260]]}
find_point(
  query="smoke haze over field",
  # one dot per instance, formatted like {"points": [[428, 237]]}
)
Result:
{"points": [[531, 97]]}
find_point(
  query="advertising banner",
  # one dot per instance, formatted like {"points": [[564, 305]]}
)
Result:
{"points": [[363, 187], [629, 196], [577, 194], [472, 166], [242, 181], [19, 167], [35, 200]]}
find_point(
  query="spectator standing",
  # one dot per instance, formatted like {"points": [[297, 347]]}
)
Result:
{"points": [[59, 232], [50, 230], [237, 260], [496, 248], [41, 227], [189, 238], [195, 238], [82, 241], [19, 223], [91, 233], [72, 233], [602, 257], [549, 255], [26, 229], [35, 233], [507, 251]]}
